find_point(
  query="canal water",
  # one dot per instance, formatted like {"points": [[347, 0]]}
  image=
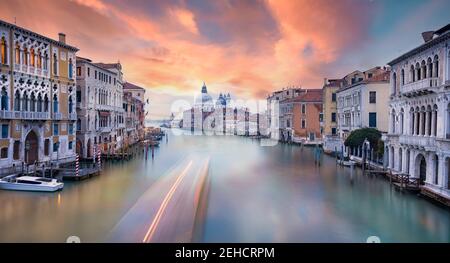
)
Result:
{"points": [[257, 194]]}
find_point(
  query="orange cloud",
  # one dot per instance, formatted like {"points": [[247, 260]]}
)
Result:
{"points": [[246, 48]]}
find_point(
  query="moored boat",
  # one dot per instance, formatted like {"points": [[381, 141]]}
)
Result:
{"points": [[30, 183]]}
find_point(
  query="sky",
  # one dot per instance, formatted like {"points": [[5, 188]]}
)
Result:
{"points": [[248, 48]]}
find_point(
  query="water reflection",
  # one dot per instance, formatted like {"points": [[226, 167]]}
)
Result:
{"points": [[257, 194]]}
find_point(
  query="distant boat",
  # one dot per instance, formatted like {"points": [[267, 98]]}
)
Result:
{"points": [[346, 163], [30, 183]]}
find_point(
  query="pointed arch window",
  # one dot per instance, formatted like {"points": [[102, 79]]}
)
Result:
{"points": [[403, 76], [55, 103], [46, 102], [32, 102], [430, 68], [25, 101], [45, 61], [70, 69], [17, 101], [4, 99], [436, 66], [25, 56], [39, 103], [55, 64], [39, 59], [32, 58], [4, 51], [70, 104], [17, 53]]}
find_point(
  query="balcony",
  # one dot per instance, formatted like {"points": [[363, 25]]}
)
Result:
{"points": [[25, 115], [73, 116], [104, 129], [57, 116], [417, 140], [419, 86]]}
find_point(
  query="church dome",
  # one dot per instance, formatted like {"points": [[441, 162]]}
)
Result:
{"points": [[204, 99], [221, 101]]}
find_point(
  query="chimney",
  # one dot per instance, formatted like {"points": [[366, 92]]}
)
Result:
{"points": [[62, 38], [427, 36], [325, 81]]}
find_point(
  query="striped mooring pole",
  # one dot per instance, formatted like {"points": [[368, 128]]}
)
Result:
{"points": [[99, 156], [94, 153], [77, 165]]}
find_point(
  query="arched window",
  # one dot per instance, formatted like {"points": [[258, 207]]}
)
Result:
{"points": [[32, 58], [4, 51], [429, 116], [32, 102], [430, 68], [17, 53], [418, 71], [403, 76], [412, 74], [412, 119], [25, 56], [25, 101], [424, 69], [39, 59], [393, 121], [70, 68], [46, 106], [70, 104], [4, 99], [45, 61], [39, 103], [17, 101], [436, 66], [394, 83], [55, 64], [55, 103]]}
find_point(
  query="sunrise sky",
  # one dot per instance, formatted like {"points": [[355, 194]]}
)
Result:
{"points": [[248, 48]]}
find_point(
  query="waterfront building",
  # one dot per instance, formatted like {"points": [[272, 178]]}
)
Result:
{"points": [[362, 100], [331, 141], [301, 117], [99, 107], [273, 109], [221, 116], [134, 115], [418, 141], [37, 98]]}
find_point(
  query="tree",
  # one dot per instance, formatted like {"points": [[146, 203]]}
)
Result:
{"points": [[357, 137]]}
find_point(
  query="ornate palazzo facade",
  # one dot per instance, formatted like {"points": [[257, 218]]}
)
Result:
{"points": [[99, 107], [37, 95], [418, 141]]}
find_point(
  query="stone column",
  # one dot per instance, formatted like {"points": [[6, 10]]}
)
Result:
{"points": [[430, 167], [439, 123], [412, 156], [442, 171]]}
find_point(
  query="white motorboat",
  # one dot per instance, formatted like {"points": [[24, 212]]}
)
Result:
{"points": [[30, 183], [346, 163]]}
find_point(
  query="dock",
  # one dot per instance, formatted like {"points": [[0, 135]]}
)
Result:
{"points": [[83, 173]]}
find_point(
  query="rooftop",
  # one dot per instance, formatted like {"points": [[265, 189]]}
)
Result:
{"points": [[34, 34], [439, 35], [309, 95], [129, 86]]}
